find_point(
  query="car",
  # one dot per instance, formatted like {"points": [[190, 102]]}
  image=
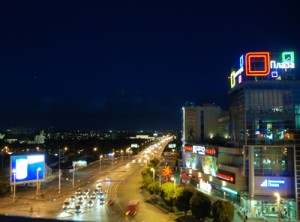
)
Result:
{"points": [[66, 205], [100, 195], [110, 202], [90, 203], [77, 209], [96, 191], [73, 198], [102, 200], [92, 196], [108, 179]]}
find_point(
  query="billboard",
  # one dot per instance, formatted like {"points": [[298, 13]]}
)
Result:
{"points": [[254, 66], [27, 168], [190, 124]]}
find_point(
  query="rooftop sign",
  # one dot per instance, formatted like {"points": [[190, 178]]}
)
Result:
{"points": [[262, 64]]}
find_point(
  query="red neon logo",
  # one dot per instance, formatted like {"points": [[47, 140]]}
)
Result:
{"points": [[188, 148], [257, 63]]}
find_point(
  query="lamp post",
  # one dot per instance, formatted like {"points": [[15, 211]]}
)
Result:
{"points": [[74, 168], [112, 158], [174, 179], [59, 169], [278, 205], [14, 173], [122, 155], [100, 157], [153, 171], [37, 180]]}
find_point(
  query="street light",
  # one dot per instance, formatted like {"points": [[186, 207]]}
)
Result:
{"points": [[122, 155], [65, 150], [59, 169], [14, 173], [174, 179], [74, 168], [112, 158], [153, 171], [278, 204], [37, 180], [100, 157]]}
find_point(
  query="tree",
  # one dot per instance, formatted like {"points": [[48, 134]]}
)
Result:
{"points": [[166, 172], [223, 211], [153, 187], [147, 180], [167, 193], [154, 163], [200, 201], [182, 201], [4, 186]]}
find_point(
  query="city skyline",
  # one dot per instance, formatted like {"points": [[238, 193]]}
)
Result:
{"points": [[128, 65]]}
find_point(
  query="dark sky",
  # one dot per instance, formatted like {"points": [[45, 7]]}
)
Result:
{"points": [[128, 64]]}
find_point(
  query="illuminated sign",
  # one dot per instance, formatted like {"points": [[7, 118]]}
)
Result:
{"points": [[272, 183], [260, 64], [257, 63], [204, 185], [212, 151], [134, 145], [229, 190], [188, 148], [199, 149], [225, 175], [172, 145], [26, 168]]}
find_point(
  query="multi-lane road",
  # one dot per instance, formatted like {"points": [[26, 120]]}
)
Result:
{"points": [[124, 185]]}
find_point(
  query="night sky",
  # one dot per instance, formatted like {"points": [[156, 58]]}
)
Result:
{"points": [[98, 65]]}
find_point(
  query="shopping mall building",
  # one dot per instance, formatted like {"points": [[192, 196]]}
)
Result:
{"points": [[264, 126]]}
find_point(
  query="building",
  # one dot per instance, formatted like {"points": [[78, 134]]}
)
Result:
{"points": [[264, 115], [264, 128], [200, 122]]}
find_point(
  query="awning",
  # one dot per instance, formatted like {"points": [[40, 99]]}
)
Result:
{"points": [[185, 176], [213, 184]]}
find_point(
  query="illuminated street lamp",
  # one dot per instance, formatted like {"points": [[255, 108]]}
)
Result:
{"points": [[14, 173], [122, 155], [59, 169], [37, 180], [174, 179], [100, 157], [153, 171], [74, 168], [112, 158], [278, 204], [65, 150]]}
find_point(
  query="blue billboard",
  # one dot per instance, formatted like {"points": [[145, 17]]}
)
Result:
{"points": [[27, 168]]}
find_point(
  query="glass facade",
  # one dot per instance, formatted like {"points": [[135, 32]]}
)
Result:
{"points": [[274, 161], [265, 113]]}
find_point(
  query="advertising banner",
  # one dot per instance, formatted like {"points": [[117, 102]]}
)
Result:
{"points": [[26, 168], [190, 124]]}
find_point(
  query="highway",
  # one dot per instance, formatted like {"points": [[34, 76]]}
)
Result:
{"points": [[124, 185]]}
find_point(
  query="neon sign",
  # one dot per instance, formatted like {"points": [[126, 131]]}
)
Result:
{"points": [[225, 175], [229, 190], [257, 63], [272, 183], [199, 149], [212, 151], [188, 148]]}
